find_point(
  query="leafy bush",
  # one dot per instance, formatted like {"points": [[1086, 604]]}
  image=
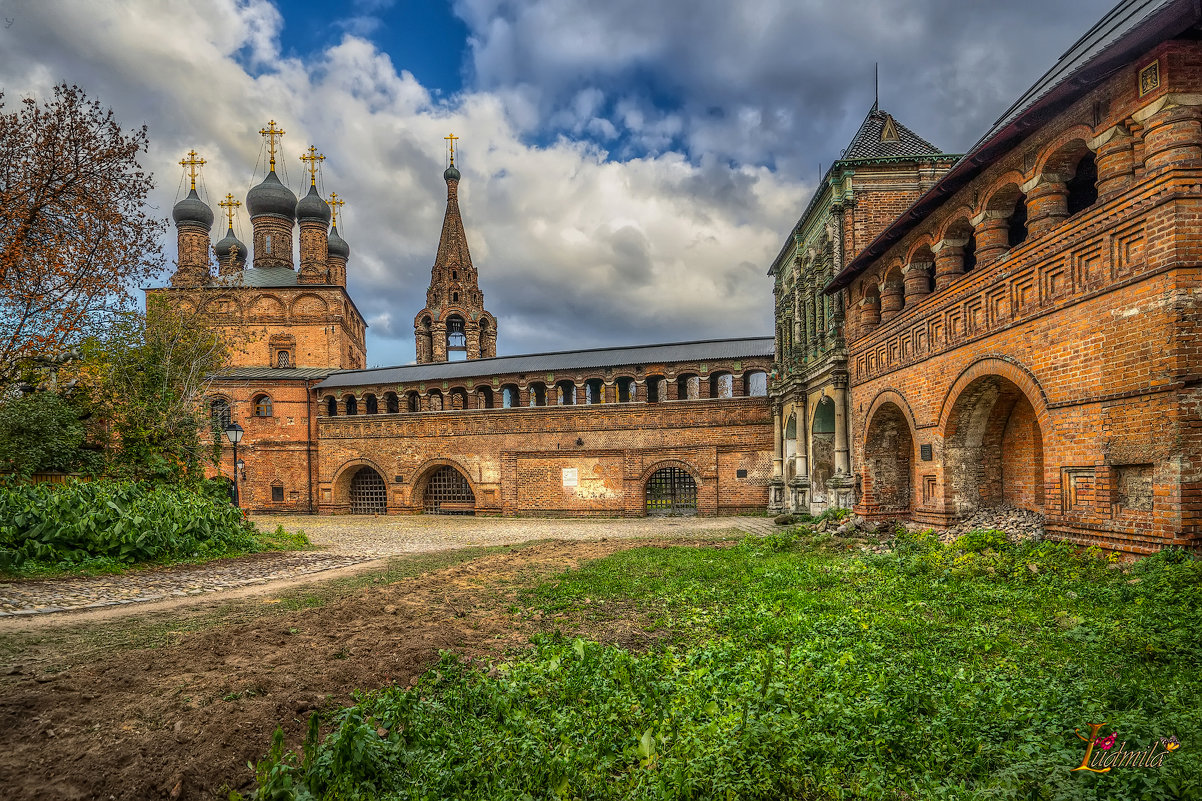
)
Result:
{"points": [[120, 521], [41, 432]]}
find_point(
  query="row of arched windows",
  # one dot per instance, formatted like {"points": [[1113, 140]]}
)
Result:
{"points": [[1068, 186], [688, 386]]}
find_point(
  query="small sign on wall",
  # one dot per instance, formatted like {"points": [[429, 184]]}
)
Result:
{"points": [[571, 477]]}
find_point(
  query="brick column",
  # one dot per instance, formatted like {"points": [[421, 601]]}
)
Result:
{"points": [[1047, 204], [892, 299], [438, 341], [992, 230], [842, 452], [670, 388], [524, 396], [917, 280], [1115, 156], [1173, 138], [949, 261], [870, 315]]}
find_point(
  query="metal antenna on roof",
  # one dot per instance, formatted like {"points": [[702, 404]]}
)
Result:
{"points": [[876, 85]]}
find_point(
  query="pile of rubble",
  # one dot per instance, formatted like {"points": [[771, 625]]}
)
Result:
{"points": [[1019, 524]]}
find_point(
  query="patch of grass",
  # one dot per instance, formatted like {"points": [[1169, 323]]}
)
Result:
{"points": [[927, 671]]}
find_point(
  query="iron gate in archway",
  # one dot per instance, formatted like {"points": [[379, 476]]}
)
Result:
{"points": [[671, 491], [448, 493], [369, 496]]}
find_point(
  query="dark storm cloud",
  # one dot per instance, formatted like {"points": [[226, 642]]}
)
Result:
{"points": [[780, 83]]}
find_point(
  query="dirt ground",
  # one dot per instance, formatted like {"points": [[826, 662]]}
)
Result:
{"points": [[174, 702]]}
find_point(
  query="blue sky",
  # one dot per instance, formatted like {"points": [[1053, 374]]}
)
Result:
{"points": [[630, 168]]}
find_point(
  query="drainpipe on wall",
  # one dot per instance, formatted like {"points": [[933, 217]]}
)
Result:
{"points": [[309, 438]]}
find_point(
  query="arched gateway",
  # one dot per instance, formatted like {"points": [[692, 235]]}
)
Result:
{"points": [[671, 491], [369, 496], [448, 493]]}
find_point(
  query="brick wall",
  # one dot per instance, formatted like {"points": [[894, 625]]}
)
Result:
{"points": [[515, 459], [1060, 374]]}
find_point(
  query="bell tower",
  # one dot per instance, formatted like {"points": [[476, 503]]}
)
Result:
{"points": [[454, 326]]}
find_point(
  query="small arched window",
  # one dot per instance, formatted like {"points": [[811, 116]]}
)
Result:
{"points": [[1017, 232], [456, 339], [283, 359], [262, 406], [352, 404], [414, 402], [391, 402], [331, 406], [372, 406], [219, 412], [627, 390], [509, 396], [267, 244], [454, 297], [538, 394]]}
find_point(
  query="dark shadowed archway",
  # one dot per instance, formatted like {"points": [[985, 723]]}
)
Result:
{"points": [[368, 494], [889, 461], [993, 448]]}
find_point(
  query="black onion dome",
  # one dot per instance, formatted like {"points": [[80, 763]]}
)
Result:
{"points": [[192, 210], [271, 197], [337, 245], [226, 245], [450, 174], [312, 207]]}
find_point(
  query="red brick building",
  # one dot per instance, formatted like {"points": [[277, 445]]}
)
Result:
{"points": [[1027, 332], [682, 428]]}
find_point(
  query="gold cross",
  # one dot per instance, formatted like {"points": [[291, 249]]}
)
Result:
{"points": [[311, 162], [336, 204], [229, 204], [272, 133], [451, 138], [192, 163]]}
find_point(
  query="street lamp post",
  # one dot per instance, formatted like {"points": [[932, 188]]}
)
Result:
{"points": [[233, 432]]}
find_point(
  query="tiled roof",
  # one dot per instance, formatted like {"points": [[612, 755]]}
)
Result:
{"points": [[262, 277], [1130, 29], [561, 361], [867, 144]]}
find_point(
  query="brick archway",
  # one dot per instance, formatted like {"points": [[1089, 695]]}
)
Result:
{"points": [[343, 478], [888, 460], [993, 443], [421, 486]]}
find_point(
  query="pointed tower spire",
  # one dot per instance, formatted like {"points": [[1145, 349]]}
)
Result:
{"points": [[454, 325]]}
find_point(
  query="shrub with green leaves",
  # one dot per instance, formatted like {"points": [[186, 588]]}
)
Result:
{"points": [[120, 521]]}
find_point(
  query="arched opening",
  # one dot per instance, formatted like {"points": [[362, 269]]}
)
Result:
{"points": [[219, 414], [456, 339], [458, 398], [889, 461], [822, 448], [671, 491], [331, 406], [1083, 186], [993, 448], [369, 496], [351, 404], [1016, 232], [413, 401], [565, 393], [594, 389], [722, 385], [484, 338], [538, 393], [448, 493], [370, 404], [755, 384], [657, 389], [510, 399], [435, 400], [688, 387], [627, 390], [262, 406], [921, 282], [484, 397], [391, 402]]}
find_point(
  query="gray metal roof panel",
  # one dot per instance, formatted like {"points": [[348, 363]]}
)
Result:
{"points": [[553, 362]]}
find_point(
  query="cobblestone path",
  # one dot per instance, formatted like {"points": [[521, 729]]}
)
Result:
{"points": [[340, 541]]}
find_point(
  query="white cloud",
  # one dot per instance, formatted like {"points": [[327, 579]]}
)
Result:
{"points": [[574, 249]]}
